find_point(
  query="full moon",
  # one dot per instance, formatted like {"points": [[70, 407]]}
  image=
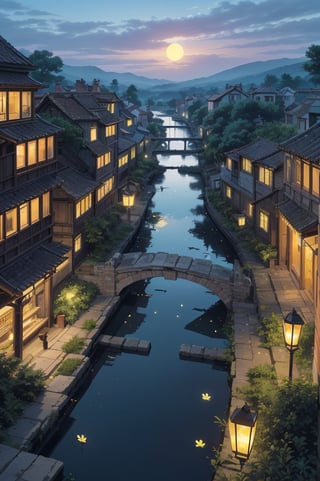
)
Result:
{"points": [[175, 52]]}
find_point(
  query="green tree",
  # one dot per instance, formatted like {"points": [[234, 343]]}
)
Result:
{"points": [[313, 65], [114, 86], [47, 66], [276, 131], [270, 80], [131, 95], [288, 81]]}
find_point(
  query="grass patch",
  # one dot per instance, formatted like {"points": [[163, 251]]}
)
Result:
{"points": [[89, 324], [74, 346], [68, 366]]}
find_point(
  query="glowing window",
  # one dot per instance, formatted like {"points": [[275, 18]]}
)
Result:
{"points": [[42, 149], [26, 104], [228, 192], [11, 222], [315, 181], [105, 189], [35, 210], [306, 176], [50, 147], [123, 160], [83, 205], [3, 105], [110, 130], [265, 176], [298, 171], [93, 133], [246, 165], [129, 122], [21, 156], [110, 108], [264, 221], [77, 243], [103, 160], [46, 204], [14, 105], [32, 152], [133, 152], [1, 228], [229, 163], [24, 215]]}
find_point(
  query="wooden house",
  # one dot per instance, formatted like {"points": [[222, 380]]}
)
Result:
{"points": [[31, 264]]}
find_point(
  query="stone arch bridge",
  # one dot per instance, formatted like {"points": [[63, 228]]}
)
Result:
{"points": [[125, 269]]}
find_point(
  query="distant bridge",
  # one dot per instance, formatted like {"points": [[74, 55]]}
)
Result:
{"points": [[191, 145], [125, 269]]}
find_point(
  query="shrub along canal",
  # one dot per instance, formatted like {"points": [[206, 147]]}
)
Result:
{"points": [[153, 416]]}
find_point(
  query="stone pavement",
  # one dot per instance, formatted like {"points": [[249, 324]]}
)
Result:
{"points": [[275, 291]]}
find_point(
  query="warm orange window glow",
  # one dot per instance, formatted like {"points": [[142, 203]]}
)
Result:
{"points": [[264, 221], [46, 204], [133, 153], [129, 122], [103, 160], [50, 147], [104, 190], [123, 160], [228, 192], [21, 156], [3, 106], [32, 152], [24, 215], [14, 105], [83, 205], [41, 149], [77, 243], [26, 104], [35, 210], [11, 222], [93, 133], [110, 130]]}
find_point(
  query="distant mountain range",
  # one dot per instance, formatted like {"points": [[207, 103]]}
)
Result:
{"points": [[248, 74]]}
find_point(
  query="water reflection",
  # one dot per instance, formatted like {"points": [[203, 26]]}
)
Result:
{"points": [[145, 415]]}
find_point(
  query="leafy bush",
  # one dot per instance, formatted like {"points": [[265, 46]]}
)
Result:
{"points": [[68, 366], [285, 446], [89, 324], [74, 346], [74, 298], [271, 330], [19, 384]]}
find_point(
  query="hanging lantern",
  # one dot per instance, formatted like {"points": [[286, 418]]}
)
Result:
{"points": [[242, 429]]}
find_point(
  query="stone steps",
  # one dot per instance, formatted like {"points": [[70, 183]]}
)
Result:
{"points": [[201, 352], [125, 344]]}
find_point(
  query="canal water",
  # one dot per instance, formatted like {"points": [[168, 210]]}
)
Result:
{"points": [[144, 416]]}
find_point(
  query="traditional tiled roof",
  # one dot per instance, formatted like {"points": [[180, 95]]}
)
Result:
{"points": [[305, 145], [17, 79], [26, 192], [273, 161], [75, 184], [25, 270], [27, 130], [69, 106], [125, 143], [256, 150], [229, 90], [98, 147], [301, 219], [11, 57]]}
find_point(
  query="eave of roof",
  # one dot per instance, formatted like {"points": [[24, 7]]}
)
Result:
{"points": [[28, 191], [22, 131], [302, 220], [25, 270]]}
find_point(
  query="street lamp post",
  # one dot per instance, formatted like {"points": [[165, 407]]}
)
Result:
{"points": [[242, 429], [128, 200], [292, 330]]}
